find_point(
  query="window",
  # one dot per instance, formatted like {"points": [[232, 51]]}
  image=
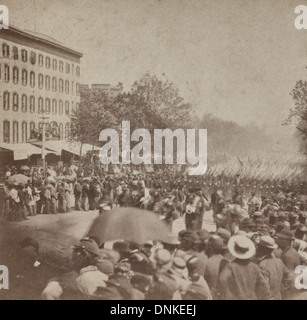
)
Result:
{"points": [[54, 64], [54, 84], [67, 130], [67, 67], [24, 77], [33, 58], [61, 130], [5, 50], [15, 75], [6, 131], [61, 85], [40, 81], [47, 105], [24, 131], [78, 71], [32, 104], [47, 62], [15, 101], [6, 100], [15, 132], [61, 107], [78, 89], [15, 53], [67, 87], [72, 107], [32, 79], [73, 69], [24, 103], [61, 66], [32, 125], [67, 108], [40, 60], [6, 73], [47, 83], [72, 87], [40, 105], [24, 55], [54, 106]]}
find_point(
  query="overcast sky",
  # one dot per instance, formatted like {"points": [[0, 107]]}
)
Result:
{"points": [[236, 59]]}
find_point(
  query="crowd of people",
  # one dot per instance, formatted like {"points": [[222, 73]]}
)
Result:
{"points": [[252, 254]]}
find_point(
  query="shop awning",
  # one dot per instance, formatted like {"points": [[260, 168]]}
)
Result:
{"points": [[23, 150], [72, 147]]}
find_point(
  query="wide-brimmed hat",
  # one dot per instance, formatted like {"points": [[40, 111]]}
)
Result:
{"points": [[241, 247], [267, 242]]}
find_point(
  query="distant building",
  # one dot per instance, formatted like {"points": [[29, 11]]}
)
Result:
{"points": [[38, 77], [109, 89]]}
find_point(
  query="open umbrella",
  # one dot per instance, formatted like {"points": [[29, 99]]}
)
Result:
{"points": [[18, 178], [131, 224], [24, 168]]}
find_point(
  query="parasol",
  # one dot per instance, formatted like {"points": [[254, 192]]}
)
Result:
{"points": [[18, 178], [24, 168], [130, 224]]}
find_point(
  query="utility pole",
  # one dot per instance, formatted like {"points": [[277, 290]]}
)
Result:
{"points": [[44, 144]]}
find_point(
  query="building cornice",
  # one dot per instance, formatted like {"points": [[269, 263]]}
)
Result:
{"points": [[37, 42]]}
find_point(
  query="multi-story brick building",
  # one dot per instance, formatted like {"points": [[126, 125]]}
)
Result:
{"points": [[39, 77]]}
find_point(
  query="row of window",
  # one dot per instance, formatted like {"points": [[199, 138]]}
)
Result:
{"points": [[55, 84], [44, 105], [41, 60], [26, 130]]}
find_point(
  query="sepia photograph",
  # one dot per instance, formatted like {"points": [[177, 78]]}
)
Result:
{"points": [[153, 150]]}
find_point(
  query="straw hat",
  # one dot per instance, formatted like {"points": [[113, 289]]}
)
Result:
{"points": [[241, 247], [267, 242]]}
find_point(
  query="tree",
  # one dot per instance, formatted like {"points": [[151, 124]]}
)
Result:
{"points": [[162, 102], [299, 112], [91, 117]]}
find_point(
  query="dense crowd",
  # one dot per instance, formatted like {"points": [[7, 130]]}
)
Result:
{"points": [[253, 253]]}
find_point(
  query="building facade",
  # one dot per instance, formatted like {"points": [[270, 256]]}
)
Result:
{"points": [[39, 78]]}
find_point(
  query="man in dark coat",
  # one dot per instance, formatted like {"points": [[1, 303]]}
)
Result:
{"points": [[273, 269], [242, 279], [289, 255]]}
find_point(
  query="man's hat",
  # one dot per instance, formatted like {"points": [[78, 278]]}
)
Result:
{"points": [[162, 256], [217, 242], [178, 267], [247, 223], [285, 234], [105, 266], [121, 246], [241, 247], [203, 234], [267, 242], [223, 233], [88, 245], [171, 238]]}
